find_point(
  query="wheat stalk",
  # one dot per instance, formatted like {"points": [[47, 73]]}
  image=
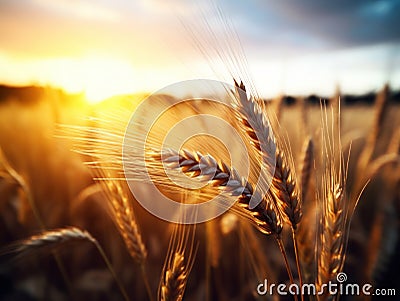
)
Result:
{"points": [[283, 190], [58, 238], [178, 264], [303, 252], [307, 159], [103, 144], [10, 172], [125, 220], [279, 103], [214, 243], [52, 239], [286, 194], [382, 246], [303, 107], [334, 211], [367, 154], [336, 103]]}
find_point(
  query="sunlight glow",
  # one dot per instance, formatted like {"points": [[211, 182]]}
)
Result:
{"points": [[103, 78], [99, 77]]}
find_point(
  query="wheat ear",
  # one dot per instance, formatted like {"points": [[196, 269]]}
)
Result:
{"points": [[49, 240], [283, 188], [229, 182], [254, 123], [333, 226], [264, 215], [255, 126], [125, 220], [175, 279], [334, 211], [178, 264], [102, 142], [22, 183], [287, 197]]}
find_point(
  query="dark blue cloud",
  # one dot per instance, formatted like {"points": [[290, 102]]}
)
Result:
{"points": [[319, 24]]}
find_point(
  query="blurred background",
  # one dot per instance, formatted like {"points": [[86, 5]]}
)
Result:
{"points": [[64, 61]]}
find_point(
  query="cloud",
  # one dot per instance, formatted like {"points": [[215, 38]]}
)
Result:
{"points": [[159, 35], [266, 27], [67, 28], [336, 24]]}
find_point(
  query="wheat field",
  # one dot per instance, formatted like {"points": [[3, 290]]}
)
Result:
{"points": [[73, 232]]}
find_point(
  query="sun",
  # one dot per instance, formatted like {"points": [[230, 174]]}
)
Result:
{"points": [[105, 78], [98, 77]]}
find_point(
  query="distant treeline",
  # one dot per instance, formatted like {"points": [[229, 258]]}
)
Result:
{"points": [[348, 99], [32, 94]]}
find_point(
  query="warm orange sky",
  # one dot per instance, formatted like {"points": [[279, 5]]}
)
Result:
{"points": [[111, 47]]}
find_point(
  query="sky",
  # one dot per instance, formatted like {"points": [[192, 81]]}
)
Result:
{"points": [[104, 47]]}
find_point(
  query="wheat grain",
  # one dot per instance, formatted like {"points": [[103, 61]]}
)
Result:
{"points": [[333, 224], [263, 215], [285, 191], [255, 125]]}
